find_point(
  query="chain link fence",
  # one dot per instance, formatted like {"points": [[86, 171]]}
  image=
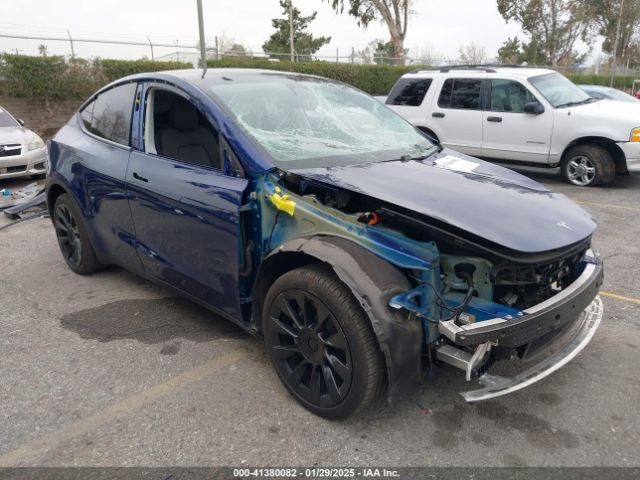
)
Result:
{"points": [[187, 50]]}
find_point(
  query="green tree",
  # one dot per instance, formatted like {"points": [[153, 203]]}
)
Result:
{"points": [[553, 26], [238, 50], [514, 51], [383, 53], [394, 13], [304, 43], [605, 14], [510, 51]]}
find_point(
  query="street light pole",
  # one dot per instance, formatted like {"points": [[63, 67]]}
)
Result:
{"points": [[203, 51], [615, 45], [291, 28]]}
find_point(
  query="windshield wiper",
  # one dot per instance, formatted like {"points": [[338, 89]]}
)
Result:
{"points": [[581, 102], [427, 154]]}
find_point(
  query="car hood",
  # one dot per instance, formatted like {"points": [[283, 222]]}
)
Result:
{"points": [[486, 200], [625, 114], [15, 135]]}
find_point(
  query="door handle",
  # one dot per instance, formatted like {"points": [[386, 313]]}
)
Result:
{"points": [[437, 114], [138, 177], [494, 119]]}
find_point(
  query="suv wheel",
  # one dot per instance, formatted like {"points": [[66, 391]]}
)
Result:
{"points": [[588, 165], [321, 344]]}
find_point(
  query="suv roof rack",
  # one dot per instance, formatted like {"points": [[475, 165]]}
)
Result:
{"points": [[489, 68]]}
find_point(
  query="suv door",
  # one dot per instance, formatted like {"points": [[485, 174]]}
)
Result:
{"points": [[186, 210], [99, 173], [457, 115], [510, 133]]}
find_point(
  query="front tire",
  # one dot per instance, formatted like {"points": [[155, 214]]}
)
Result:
{"points": [[588, 166], [72, 236], [321, 343]]}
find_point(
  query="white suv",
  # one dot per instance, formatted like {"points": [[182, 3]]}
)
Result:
{"points": [[528, 116]]}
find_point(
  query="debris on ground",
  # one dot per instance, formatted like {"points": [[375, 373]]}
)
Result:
{"points": [[24, 204]]}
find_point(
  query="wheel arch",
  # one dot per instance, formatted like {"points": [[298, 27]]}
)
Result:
{"points": [[372, 280], [54, 190], [612, 147]]}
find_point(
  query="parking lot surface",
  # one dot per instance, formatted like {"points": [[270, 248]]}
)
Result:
{"points": [[112, 370]]}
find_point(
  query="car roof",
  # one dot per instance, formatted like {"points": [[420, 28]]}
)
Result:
{"points": [[217, 76], [491, 70]]}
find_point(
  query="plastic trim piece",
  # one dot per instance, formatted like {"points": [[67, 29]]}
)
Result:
{"points": [[586, 326]]}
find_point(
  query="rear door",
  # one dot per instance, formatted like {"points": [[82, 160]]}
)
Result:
{"points": [[99, 173], [186, 213], [457, 114], [508, 132]]}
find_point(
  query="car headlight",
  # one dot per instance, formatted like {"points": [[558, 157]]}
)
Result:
{"points": [[38, 143], [635, 135]]}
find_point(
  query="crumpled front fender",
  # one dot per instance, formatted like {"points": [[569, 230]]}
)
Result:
{"points": [[373, 281]]}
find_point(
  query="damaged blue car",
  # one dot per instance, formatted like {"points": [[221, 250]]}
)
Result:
{"points": [[315, 217]]}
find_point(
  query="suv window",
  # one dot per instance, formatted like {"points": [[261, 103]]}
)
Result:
{"points": [[109, 115], [460, 93], [409, 91], [509, 96]]}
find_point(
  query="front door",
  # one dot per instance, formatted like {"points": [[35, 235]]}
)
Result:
{"points": [[185, 209], [508, 132]]}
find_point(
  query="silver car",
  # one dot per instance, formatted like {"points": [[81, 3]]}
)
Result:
{"points": [[22, 152]]}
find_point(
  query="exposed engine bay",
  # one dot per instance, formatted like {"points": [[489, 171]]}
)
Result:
{"points": [[499, 276], [468, 284]]}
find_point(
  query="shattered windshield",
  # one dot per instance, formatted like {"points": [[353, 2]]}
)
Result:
{"points": [[305, 119]]}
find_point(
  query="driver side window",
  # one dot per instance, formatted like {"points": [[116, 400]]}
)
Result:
{"points": [[509, 96], [175, 128]]}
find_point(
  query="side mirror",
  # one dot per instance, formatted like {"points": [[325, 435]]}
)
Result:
{"points": [[534, 108], [20, 121]]}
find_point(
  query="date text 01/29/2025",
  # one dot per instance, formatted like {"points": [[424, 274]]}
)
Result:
{"points": [[316, 472]]}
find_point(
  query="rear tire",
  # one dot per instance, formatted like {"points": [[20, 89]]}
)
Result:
{"points": [[321, 343], [588, 165], [73, 239]]}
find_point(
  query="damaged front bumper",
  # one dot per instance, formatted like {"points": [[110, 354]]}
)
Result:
{"points": [[544, 317], [547, 336], [557, 354]]}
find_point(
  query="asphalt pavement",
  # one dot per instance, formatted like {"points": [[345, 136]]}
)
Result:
{"points": [[110, 369]]}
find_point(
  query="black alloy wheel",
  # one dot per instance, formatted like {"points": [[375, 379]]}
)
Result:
{"points": [[68, 235], [72, 236], [321, 342], [310, 349]]}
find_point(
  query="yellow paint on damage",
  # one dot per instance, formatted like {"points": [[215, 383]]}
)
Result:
{"points": [[282, 202]]}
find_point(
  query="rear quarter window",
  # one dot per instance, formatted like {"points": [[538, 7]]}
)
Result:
{"points": [[109, 115], [409, 92]]}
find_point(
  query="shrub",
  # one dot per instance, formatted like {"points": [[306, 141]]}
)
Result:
{"points": [[53, 78], [57, 78], [373, 79], [114, 69]]}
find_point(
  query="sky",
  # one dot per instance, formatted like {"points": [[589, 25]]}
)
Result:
{"points": [[438, 26]]}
